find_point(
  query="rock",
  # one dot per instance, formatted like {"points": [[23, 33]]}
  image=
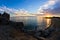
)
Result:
{"points": [[0, 18], [17, 25], [55, 24], [5, 18]]}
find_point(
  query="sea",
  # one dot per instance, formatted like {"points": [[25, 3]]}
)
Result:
{"points": [[33, 22]]}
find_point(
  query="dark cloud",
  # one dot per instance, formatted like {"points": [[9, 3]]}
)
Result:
{"points": [[55, 10]]}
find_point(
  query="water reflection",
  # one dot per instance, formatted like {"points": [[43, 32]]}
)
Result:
{"points": [[34, 21], [48, 22], [43, 22]]}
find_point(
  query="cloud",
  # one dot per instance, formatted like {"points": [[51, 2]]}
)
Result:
{"points": [[8, 10], [48, 5], [55, 11], [13, 11]]}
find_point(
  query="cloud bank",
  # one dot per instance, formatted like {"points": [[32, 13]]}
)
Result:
{"points": [[49, 7], [13, 11]]}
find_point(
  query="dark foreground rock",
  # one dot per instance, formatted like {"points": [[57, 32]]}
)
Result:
{"points": [[17, 25], [8, 29], [4, 18], [55, 33], [9, 33]]}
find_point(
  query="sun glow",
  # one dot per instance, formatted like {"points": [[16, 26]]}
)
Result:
{"points": [[48, 20], [48, 15]]}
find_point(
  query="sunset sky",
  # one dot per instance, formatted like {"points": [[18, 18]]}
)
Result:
{"points": [[30, 6]]}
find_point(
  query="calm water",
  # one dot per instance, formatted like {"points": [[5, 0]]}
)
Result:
{"points": [[33, 22]]}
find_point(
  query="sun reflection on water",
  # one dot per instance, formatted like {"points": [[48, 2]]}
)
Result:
{"points": [[48, 22]]}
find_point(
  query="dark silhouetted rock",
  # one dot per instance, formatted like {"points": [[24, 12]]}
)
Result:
{"points": [[54, 29], [17, 25], [0, 18], [55, 22], [5, 18]]}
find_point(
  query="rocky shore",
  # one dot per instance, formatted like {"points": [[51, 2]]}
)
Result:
{"points": [[9, 33], [10, 30]]}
